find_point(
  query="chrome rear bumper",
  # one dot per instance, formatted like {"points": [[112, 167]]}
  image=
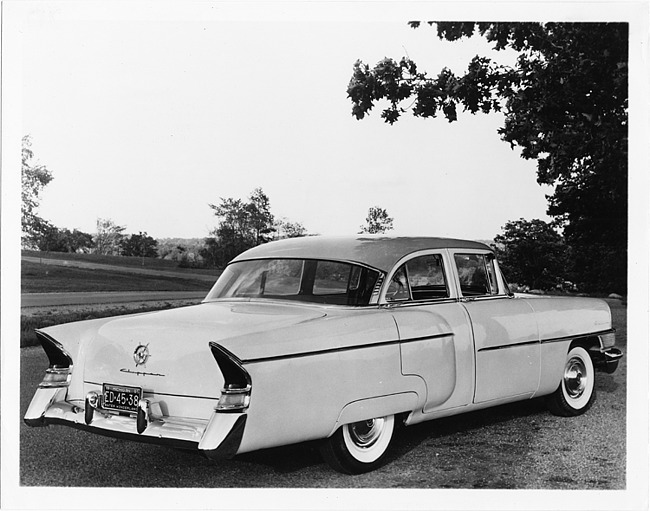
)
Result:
{"points": [[217, 438]]}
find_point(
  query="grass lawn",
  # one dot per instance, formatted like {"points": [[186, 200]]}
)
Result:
{"points": [[147, 262], [44, 278], [60, 315]]}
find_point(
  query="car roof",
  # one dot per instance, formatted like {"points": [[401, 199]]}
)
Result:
{"points": [[378, 251]]}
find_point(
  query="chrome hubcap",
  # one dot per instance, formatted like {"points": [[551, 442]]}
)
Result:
{"points": [[366, 433], [575, 378]]}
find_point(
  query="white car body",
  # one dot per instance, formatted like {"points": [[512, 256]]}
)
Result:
{"points": [[239, 373]]}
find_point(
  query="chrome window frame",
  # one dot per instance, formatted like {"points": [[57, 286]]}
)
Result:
{"points": [[502, 290], [448, 276]]}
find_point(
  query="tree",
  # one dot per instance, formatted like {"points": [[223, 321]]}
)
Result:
{"points": [[260, 218], [286, 229], [532, 253], [565, 104], [377, 221], [79, 241], [34, 178], [108, 237], [242, 225], [46, 237], [212, 253], [52, 239], [139, 245]]}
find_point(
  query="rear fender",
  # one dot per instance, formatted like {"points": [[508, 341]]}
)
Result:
{"points": [[376, 407]]}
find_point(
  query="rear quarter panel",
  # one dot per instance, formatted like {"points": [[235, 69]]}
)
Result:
{"points": [[343, 364]]}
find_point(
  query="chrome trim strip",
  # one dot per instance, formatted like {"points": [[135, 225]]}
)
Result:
{"points": [[427, 301], [577, 336], [340, 350], [504, 346], [140, 373], [547, 341]]}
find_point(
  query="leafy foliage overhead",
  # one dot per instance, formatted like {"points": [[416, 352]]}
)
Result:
{"points": [[565, 104], [34, 178]]}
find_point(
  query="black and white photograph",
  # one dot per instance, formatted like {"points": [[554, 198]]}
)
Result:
{"points": [[325, 255]]}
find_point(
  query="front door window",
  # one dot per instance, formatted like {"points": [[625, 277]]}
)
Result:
{"points": [[476, 274]]}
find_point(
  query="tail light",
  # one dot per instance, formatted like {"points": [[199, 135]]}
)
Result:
{"points": [[236, 391], [60, 371]]}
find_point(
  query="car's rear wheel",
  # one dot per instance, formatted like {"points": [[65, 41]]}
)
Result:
{"points": [[576, 392], [361, 446]]}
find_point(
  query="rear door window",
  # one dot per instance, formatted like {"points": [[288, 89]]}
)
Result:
{"points": [[426, 277], [421, 278]]}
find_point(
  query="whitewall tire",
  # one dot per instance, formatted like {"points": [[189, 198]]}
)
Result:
{"points": [[359, 447], [577, 390]]}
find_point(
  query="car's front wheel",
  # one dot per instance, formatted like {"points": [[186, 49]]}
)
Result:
{"points": [[576, 392], [361, 446]]}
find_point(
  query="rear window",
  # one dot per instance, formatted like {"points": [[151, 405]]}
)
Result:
{"points": [[308, 280]]}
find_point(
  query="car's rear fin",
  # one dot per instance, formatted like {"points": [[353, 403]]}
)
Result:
{"points": [[59, 373], [236, 391]]}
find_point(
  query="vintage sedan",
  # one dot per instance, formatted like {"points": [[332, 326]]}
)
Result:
{"points": [[336, 339]]}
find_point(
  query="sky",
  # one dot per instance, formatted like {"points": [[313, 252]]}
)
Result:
{"points": [[146, 119]]}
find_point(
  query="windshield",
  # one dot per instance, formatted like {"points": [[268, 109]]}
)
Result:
{"points": [[306, 280]]}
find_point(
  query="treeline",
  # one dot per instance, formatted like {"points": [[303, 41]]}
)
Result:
{"points": [[109, 239], [534, 254], [242, 224]]}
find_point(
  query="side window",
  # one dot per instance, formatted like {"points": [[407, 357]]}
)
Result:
{"points": [[421, 278], [426, 277], [331, 278], [492, 275], [476, 274], [398, 288]]}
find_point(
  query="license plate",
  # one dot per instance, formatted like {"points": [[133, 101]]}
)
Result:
{"points": [[121, 398]]}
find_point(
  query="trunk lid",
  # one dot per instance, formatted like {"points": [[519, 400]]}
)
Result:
{"points": [[168, 351]]}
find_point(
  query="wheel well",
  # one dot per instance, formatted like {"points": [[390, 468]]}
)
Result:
{"points": [[590, 344]]}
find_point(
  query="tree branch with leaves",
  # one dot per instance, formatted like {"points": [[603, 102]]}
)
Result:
{"points": [[34, 178], [565, 103]]}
